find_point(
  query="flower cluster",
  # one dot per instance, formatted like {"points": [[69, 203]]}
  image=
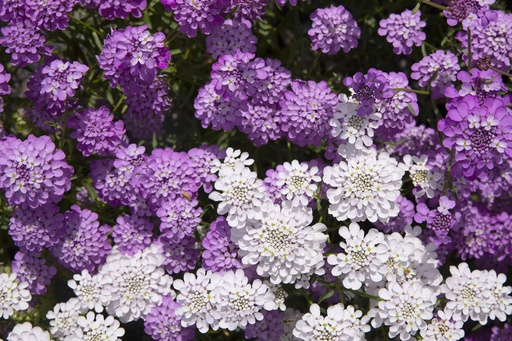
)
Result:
{"points": [[403, 31]]}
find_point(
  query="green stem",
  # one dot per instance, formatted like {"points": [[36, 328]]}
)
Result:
{"points": [[433, 4], [360, 293], [84, 24], [501, 72], [470, 55], [419, 92]]}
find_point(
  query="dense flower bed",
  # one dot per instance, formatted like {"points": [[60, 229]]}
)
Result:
{"points": [[255, 169]]}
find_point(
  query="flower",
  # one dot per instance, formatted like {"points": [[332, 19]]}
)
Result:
{"points": [[363, 257], [240, 303], [96, 327], [281, 243], [366, 186], [179, 218], [231, 36], [298, 182], [270, 328], [421, 175], [405, 309], [32, 268], [220, 253], [163, 324], [25, 331], [198, 303], [471, 13], [89, 291], [179, 256], [33, 172], [14, 295], [96, 131], [403, 31], [4, 80], [132, 233], [63, 318], [444, 65], [306, 111], [119, 9], [443, 328], [440, 221], [340, 324], [333, 28]]}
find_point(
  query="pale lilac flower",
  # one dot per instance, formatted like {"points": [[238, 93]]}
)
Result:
{"points": [[421, 175], [443, 328], [25, 332], [298, 182], [96, 327], [14, 296], [89, 290], [63, 318]]}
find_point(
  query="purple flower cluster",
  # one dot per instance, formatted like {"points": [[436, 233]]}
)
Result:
{"points": [[220, 254], [84, 243], [369, 88], [233, 35], [34, 230], [333, 29], [162, 324], [33, 269], [480, 134], [4, 87], [205, 15], [33, 172], [439, 221], [50, 15], [179, 218], [269, 328], [247, 9], [180, 256], [444, 65], [132, 233], [25, 42], [113, 9], [132, 56], [403, 31], [291, 2], [471, 13], [96, 131], [481, 84]]}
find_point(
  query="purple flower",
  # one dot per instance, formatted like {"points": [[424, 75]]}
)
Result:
{"points": [[162, 324], [33, 172], [24, 42], [273, 81], [132, 233], [198, 14], [269, 328], [132, 56], [113, 9], [492, 42], [233, 35], [179, 218], [203, 160], [34, 230], [4, 80], [179, 256], [84, 244], [220, 253], [443, 64], [306, 111], [479, 83], [247, 9], [96, 131], [50, 14], [261, 123], [32, 268], [368, 89], [480, 134], [470, 13], [333, 29], [232, 75], [439, 221], [403, 31], [504, 334]]}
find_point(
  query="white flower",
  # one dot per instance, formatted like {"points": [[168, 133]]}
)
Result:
{"points": [[366, 186], [339, 324], [500, 300], [279, 293], [443, 328], [282, 244], [198, 303], [356, 130], [14, 296], [298, 183], [89, 291], [95, 327], [363, 256], [232, 158], [25, 332], [239, 302], [240, 193], [468, 293], [63, 318], [405, 309], [135, 284], [421, 175]]}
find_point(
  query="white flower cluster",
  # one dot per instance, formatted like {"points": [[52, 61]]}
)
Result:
{"points": [[421, 175], [14, 296], [25, 332], [214, 300], [298, 182]]}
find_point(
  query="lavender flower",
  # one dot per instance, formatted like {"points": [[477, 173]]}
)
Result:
{"points": [[273, 81], [32, 269], [306, 111], [443, 64], [368, 89], [261, 123], [34, 230], [132, 233], [439, 221], [96, 131], [180, 218], [113, 9], [481, 134], [49, 14], [33, 172], [203, 159], [4, 80], [220, 253], [132, 56], [179, 256], [84, 244], [333, 29], [480, 83], [162, 323], [291, 2], [270, 328], [233, 35], [24, 42], [199, 14], [403, 31], [471, 13], [247, 9]]}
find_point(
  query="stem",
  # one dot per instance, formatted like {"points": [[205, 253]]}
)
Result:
{"points": [[360, 293], [433, 4], [84, 24], [419, 92], [470, 55], [501, 72]]}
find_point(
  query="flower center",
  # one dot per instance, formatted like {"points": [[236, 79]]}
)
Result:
{"points": [[134, 285], [197, 301], [468, 294], [356, 122], [363, 182], [241, 304], [420, 176], [365, 93], [407, 311], [481, 140]]}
